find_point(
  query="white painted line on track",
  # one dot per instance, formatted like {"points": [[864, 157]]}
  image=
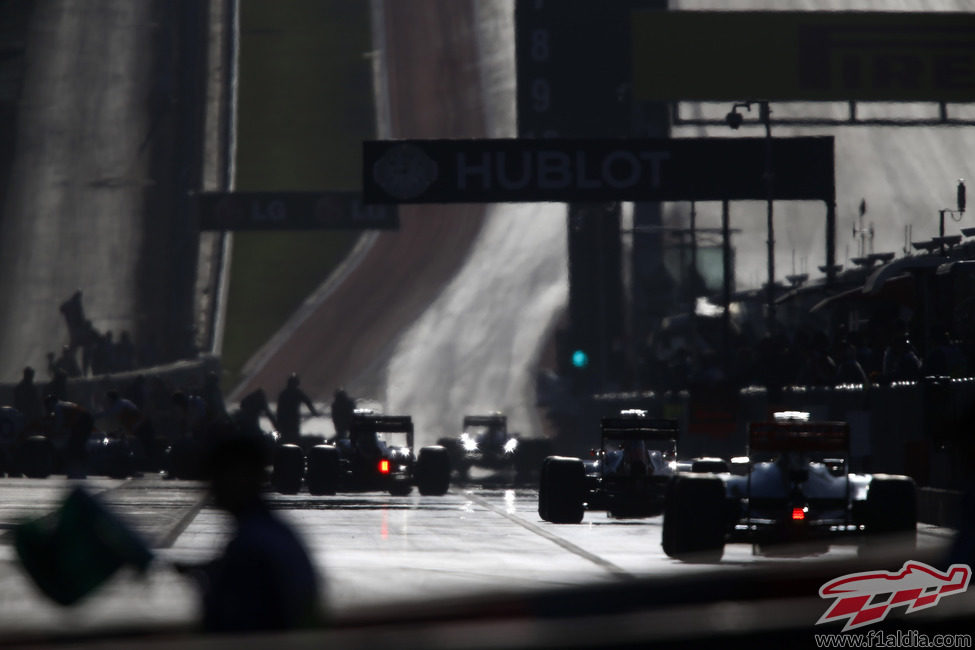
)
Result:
{"points": [[555, 539], [936, 531], [184, 521]]}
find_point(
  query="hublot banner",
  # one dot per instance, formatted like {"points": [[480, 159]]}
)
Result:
{"points": [[584, 170]]}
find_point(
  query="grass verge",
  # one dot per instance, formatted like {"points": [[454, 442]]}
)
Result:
{"points": [[304, 106]]}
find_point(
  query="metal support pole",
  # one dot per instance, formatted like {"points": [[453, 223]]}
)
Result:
{"points": [[726, 281], [830, 243], [694, 249], [766, 117], [941, 230]]}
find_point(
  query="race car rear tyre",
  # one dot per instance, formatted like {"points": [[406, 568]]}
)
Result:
{"points": [[891, 511], [561, 490], [694, 518], [323, 470], [289, 466], [433, 471], [37, 457]]}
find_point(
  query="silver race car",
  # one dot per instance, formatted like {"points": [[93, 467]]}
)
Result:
{"points": [[797, 497]]}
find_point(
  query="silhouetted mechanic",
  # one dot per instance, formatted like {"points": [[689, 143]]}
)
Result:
{"points": [[342, 408], [289, 410], [252, 407], [27, 399]]}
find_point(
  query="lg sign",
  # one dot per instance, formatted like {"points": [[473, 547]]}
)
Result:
{"points": [[546, 169], [493, 171]]}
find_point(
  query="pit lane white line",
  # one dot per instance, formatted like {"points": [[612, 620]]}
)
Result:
{"points": [[936, 531], [167, 540], [555, 539]]}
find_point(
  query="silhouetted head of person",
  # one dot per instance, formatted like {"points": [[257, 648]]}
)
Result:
{"points": [[50, 401], [236, 468], [179, 399], [28, 373], [293, 380]]}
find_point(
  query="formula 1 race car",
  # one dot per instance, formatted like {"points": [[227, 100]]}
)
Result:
{"points": [[796, 498], [485, 442], [627, 476], [377, 455]]}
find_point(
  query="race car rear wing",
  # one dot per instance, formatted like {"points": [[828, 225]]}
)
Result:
{"points": [[484, 420], [639, 428], [799, 436], [372, 423]]}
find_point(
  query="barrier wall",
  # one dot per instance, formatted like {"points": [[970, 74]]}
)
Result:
{"points": [[159, 382]]}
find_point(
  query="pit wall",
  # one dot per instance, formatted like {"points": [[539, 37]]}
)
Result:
{"points": [[158, 385]]}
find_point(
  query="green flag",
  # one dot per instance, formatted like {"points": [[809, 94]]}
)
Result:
{"points": [[72, 551]]}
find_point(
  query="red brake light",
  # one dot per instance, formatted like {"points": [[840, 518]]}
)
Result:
{"points": [[384, 466], [798, 514]]}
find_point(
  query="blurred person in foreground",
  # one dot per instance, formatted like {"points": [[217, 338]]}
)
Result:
{"points": [[264, 579]]}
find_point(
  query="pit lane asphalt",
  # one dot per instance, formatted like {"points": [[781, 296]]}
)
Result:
{"points": [[373, 550]]}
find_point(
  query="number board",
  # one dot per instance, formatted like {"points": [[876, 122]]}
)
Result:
{"points": [[804, 56], [292, 211], [573, 67]]}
